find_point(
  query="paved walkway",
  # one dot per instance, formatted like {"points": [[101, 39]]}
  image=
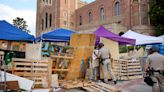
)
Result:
{"points": [[137, 85]]}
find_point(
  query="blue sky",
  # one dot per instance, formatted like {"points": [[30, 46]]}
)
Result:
{"points": [[10, 9]]}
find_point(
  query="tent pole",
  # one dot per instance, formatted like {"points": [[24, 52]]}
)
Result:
{"points": [[127, 49], [40, 49]]}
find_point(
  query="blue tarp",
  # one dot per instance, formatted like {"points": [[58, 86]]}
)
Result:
{"points": [[10, 32], [57, 35]]}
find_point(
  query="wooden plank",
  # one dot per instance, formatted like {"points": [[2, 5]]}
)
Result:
{"points": [[29, 74], [107, 86], [133, 73], [131, 70], [58, 56], [65, 70], [24, 83], [11, 85], [30, 64], [89, 89], [30, 69], [29, 60], [131, 77]]}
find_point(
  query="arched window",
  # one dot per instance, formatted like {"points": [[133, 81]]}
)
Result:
{"points": [[65, 1], [90, 17], [50, 20], [42, 24], [102, 14], [46, 20], [50, 1], [80, 20], [46, 1], [117, 8]]}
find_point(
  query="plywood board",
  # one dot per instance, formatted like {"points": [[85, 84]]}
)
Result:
{"points": [[113, 46], [83, 45], [33, 51], [82, 40]]}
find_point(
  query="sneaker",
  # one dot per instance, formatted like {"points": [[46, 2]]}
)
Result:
{"points": [[115, 82]]}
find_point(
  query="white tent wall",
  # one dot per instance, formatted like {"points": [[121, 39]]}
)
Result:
{"points": [[142, 39], [162, 36]]}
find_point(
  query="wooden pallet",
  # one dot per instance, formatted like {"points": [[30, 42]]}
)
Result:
{"points": [[58, 66], [89, 86], [37, 70], [127, 69]]}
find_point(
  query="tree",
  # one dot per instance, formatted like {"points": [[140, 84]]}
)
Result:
{"points": [[21, 24], [157, 16]]}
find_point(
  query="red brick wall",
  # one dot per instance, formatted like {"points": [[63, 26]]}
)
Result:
{"points": [[129, 16]]}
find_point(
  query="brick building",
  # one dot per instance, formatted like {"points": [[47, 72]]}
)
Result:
{"points": [[116, 15], [56, 14]]}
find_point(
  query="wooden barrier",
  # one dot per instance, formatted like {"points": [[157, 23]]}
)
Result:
{"points": [[83, 45], [89, 86], [61, 65], [36, 70], [127, 69]]}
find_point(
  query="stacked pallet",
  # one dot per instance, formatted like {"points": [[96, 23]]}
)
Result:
{"points": [[61, 65], [127, 69], [37, 70], [89, 86]]}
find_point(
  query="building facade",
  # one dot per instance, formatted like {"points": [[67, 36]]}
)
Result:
{"points": [[53, 14], [116, 15]]}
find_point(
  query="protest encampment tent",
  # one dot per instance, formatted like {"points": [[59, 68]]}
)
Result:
{"points": [[142, 39], [103, 32], [57, 35], [162, 36], [12, 33]]}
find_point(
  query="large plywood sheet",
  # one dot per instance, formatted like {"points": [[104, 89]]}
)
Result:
{"points": [[83, 45], [114, 50], [113, 46], [33, 51], [82, 40]]}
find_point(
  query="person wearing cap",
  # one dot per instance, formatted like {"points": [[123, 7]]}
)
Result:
{"points": [[155, 62], [105, 55]]}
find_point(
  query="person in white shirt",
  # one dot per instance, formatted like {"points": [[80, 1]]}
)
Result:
{"points": [[95, 63]]}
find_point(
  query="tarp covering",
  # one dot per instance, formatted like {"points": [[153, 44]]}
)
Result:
{"points": [[10, 32], [59, 35], [103, 32], [142, 39]]}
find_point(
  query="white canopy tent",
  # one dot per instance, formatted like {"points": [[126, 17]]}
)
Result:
{"points": [[142, 39], [162, 36]]}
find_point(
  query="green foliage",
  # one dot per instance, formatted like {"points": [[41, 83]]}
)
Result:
{"points": [[157, 16], [21, 24], [122, 49]]}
